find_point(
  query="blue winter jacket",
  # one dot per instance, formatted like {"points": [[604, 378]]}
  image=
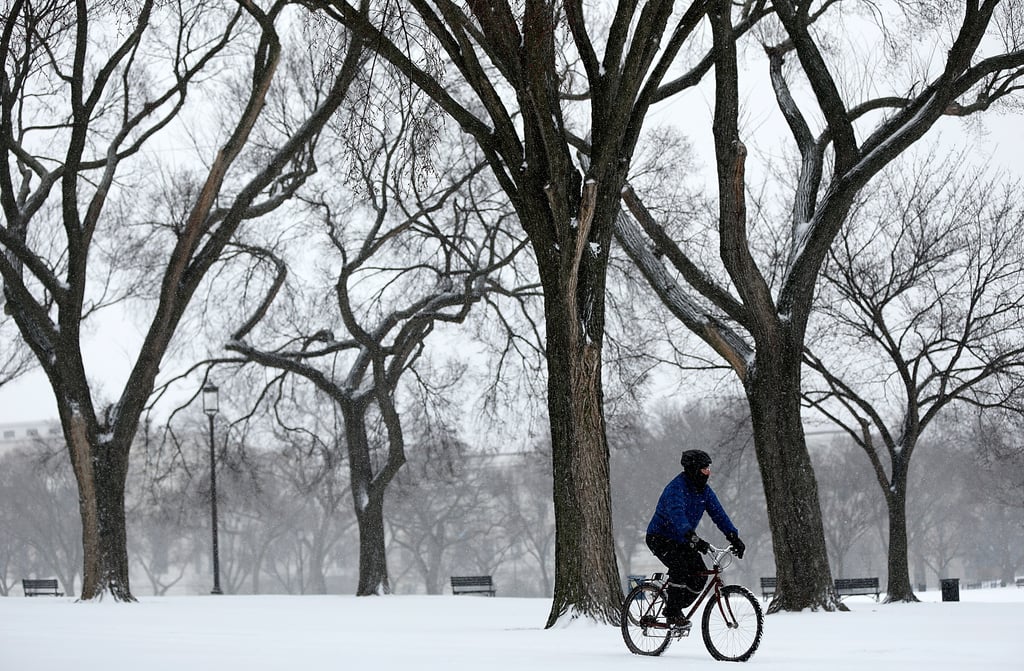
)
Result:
{"points": [[681, 508]]}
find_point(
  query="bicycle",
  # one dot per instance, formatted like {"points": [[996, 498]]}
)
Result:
{"points": [[731, 625]]}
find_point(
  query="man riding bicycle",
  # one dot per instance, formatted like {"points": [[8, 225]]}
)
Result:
{"points": [[672, 536]]}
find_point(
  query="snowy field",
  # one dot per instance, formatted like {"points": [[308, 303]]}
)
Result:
{"points": [[985, 630]]}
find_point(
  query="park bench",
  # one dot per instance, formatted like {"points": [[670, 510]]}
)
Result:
{"points": [[473, 584], [767, 587], [1019, 580], [844, 586], [854, 586], [40, 587]]}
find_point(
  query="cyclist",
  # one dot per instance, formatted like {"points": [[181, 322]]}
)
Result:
{"points": [[672, 536]]}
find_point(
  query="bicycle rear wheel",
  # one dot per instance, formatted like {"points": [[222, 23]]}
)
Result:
{"points": [[732, 624], [643, 628]]}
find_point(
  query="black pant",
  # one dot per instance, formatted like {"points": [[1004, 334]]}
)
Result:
{"points": [[684, 566]]}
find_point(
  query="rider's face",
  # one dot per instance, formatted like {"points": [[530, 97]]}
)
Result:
{"points": [[706, 470]]}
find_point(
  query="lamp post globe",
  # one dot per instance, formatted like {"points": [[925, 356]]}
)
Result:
{"points": [[211, 398]]}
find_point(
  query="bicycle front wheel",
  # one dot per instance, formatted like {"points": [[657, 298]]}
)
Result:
{"points": [[643, 628], [732, 624]]}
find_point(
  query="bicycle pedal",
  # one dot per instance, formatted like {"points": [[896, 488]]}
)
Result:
{"points": [[682, 630]]}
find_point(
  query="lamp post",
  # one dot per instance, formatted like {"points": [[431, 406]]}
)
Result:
{"points": [[210, 407]]}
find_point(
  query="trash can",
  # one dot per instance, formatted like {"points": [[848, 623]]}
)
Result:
{"points": [[950, 589]]}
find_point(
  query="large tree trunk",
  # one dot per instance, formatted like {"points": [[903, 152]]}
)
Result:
{"points": [[373, 566], [368, 502], [899, 587], [586, 572], [791, 490], [101, 472]]}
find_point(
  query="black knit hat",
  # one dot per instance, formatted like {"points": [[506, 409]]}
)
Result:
{"points": [[694, 460]]}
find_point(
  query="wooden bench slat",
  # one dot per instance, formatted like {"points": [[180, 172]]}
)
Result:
{"points": [[40, 586], [853, 586], [473, 584]]}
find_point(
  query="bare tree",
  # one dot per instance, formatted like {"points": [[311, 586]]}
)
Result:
{"points": [[998, 435], [942, 525], [411, 253], [849, 509], [432, 509], [161, 510], [312, 473], [754, 313], [78, 104], [922, 303], [270, 520], [263, 522], [976, 459], [523, 79], [638, 471], [523, 502], [38, 491]]}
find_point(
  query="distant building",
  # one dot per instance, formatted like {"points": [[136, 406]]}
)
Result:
{"points": [[24, 433]]}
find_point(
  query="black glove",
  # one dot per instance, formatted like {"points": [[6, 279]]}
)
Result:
{"points": [[738, 547], [699, 544]]}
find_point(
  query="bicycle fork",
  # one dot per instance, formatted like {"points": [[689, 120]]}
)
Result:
{"points": [[725, 608]]}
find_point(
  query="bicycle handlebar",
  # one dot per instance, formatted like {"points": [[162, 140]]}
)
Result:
{"points": [[717, 552]]}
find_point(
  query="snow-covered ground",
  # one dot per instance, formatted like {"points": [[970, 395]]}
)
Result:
{"points": [[984, 630]]}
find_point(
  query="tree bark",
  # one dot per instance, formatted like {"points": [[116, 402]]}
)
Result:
{"points": [[586, 571], [101, 472], [373, 567], [791, 491], [899, 586], [368, 502]]}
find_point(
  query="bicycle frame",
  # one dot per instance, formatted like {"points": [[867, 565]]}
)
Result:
{"points": [[715, 584]]}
